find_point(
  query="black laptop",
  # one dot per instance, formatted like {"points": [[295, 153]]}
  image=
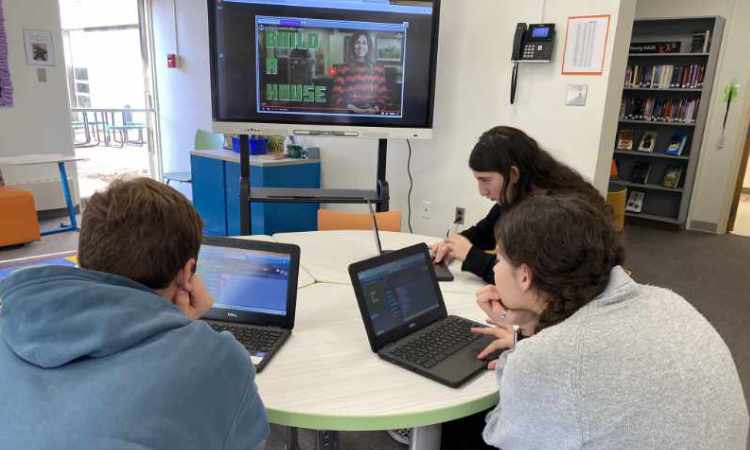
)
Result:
{"points": [[441, 270], [254, 286], [406, 319]]}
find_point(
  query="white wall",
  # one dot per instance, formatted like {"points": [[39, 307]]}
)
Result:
{"points": [[184, 93], [472, 96], [719, 166], [39, 121]]}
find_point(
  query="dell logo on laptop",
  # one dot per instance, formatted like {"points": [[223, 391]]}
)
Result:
{"points": [[231, 315], [412, 325]]}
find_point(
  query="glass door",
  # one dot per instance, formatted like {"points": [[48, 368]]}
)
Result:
{"points": [[108, 61]]}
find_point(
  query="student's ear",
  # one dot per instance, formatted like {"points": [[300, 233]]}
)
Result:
{"points": [[524, 277], [515, 174], [185, 275]]}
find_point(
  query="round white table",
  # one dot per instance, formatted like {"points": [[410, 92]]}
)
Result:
{"points": [[326, 377], [326, 255]]}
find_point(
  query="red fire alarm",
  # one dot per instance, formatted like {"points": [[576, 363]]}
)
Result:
{"points": [[171, 61]]}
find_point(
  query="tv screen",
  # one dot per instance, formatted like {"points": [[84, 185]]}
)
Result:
{"points": [[324, 63]]}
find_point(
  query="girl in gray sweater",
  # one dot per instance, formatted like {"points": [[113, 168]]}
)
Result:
{"points": [[607, 363]]}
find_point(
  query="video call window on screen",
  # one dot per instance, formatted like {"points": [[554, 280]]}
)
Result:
{"points": [[324, 62], [330, 67]]}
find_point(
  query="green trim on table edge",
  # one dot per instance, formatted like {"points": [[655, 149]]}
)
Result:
{"points": [[378, 423]]}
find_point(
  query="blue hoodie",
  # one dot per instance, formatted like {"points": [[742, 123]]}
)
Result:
{"points": [[90, 360]]}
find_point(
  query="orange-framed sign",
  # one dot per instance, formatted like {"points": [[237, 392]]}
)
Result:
{"points": [[585, 45]]}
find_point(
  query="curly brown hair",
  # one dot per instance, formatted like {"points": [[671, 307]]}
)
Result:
{"points": [[569, 245]]}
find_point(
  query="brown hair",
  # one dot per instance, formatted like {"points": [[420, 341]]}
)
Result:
{"points": [[501, 148], [140, 229], [569, 245]]}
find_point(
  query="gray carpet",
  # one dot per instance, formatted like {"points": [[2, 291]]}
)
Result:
{"points": [[712, 272]]}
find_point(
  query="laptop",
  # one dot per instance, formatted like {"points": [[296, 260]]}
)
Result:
{"points": [[406, 319], [254, 286], [441, 270]]}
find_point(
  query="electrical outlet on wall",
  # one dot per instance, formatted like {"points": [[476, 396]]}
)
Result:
{"points": [[458, 216], [426, 210]]}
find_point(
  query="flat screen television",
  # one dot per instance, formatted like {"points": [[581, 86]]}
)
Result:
{"points": [[324, 67]]}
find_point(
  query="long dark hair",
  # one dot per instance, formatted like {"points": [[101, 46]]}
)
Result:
{"points": [[569, 245], [500, 148]]}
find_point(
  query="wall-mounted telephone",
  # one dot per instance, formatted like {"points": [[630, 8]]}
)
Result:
{"points": [[532, 43]]}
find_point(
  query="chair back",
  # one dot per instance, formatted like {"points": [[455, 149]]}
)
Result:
{"points": [[205, 140], [340, 220]]}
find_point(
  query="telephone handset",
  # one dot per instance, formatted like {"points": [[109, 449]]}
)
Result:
{"points": [[531, 43], [518, 41]]}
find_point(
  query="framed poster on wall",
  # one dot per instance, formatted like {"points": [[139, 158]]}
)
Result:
{"points": [[40, 48], [6, 88], [585, 45]]}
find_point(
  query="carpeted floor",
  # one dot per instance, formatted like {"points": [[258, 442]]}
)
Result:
{"points": [[711, 271]]}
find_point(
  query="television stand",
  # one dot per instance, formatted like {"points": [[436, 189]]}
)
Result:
{"points": [[380, 195]]}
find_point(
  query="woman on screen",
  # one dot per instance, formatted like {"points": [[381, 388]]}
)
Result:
{"points": [[603, 362], [509, 167], [359, 86]]}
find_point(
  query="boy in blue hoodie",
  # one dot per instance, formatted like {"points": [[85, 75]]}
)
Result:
{"points": [[109, 356]]}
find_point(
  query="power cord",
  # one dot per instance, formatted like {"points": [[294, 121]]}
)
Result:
{"points": [[411, 186]]}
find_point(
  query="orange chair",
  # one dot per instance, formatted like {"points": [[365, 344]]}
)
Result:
{"points": [[18, 220], [340, 220]]}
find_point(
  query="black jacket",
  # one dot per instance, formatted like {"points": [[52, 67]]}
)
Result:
{"points": [[482, 237]]}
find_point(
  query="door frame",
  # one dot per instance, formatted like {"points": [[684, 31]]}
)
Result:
{"points": [[738, 189], [146, 26]]}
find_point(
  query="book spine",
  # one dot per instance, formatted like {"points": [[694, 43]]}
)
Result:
{"points": [[705, 41]]}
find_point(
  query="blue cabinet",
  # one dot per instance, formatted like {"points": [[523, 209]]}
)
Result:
{"points": [[216, 193]]}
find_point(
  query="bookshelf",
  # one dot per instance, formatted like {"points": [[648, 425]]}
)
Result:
{"points": [[650, 155], [666, 98]]}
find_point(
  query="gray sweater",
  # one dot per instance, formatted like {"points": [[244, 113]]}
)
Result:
{"points": [[637, 368]]}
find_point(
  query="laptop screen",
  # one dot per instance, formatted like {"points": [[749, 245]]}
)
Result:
{"points": [[246, 280], [398, 292]]}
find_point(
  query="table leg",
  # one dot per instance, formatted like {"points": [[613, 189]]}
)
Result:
{"points": [[327, 440], [293, 443], [425, 438], [73, 225]]}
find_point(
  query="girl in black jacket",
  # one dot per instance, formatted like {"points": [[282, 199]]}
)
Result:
{"points": [[509, 166]]}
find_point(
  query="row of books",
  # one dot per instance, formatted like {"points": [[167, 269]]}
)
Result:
{"points": [[641, 174], [647, 143], [635, 201], [670, 110], [689, 76], [700, 42]]}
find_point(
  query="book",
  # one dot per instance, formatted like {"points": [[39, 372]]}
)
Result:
{"points": [[672, 176], [614, 170], [625, 140], [700, 42], [635, 201], [640, 172], [676, 144], [648, 141]]}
